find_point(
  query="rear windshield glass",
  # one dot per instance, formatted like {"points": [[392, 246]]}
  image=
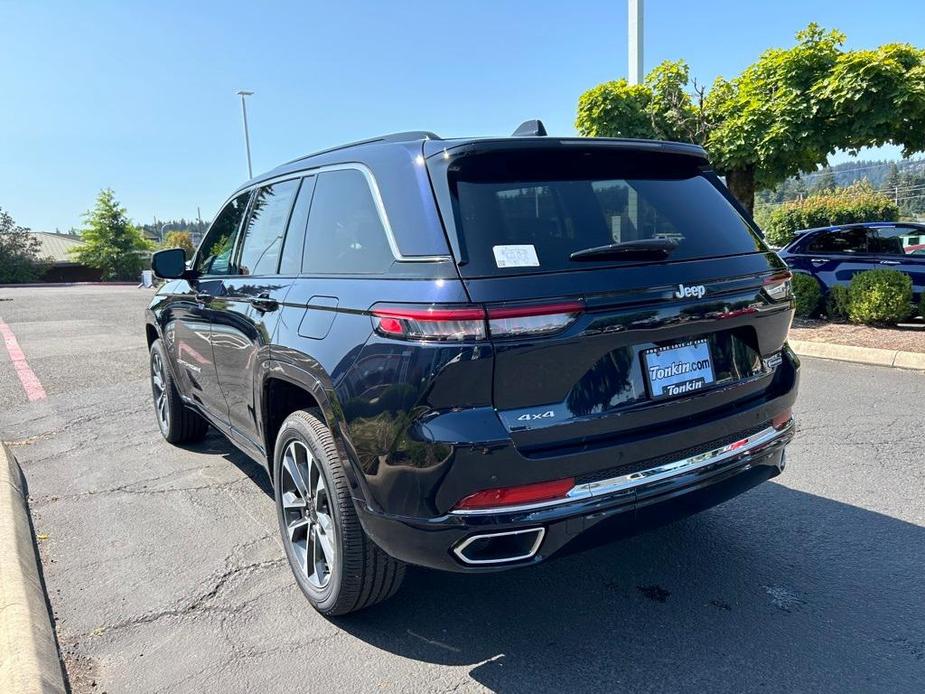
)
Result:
{"points": [[518, 212]]}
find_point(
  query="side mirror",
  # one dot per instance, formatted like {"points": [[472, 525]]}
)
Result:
{"points": [[169, 264]]}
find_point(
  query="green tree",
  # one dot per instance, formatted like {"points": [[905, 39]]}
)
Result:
{"points": [[825, 182], [19, 253], [180, 239], [782, 116], [111, 243]]}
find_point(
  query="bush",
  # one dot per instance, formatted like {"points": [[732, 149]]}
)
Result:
{"points": [[836, 303], [808, 295], [856, 203], [879, 297]]}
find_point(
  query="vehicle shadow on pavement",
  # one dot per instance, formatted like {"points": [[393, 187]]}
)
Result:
{"points": [[778, 590], [216, 444]]}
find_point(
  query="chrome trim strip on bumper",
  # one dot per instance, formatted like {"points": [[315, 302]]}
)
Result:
{"points": [[654, 474], [458, 550]]}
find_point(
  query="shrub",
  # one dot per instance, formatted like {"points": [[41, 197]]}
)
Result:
{"points": [[922, 306], [856, 203], [808, 295], [879, 297], [836, 303]]}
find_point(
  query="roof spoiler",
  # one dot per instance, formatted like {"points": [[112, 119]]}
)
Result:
{"points": [[530, 128]]}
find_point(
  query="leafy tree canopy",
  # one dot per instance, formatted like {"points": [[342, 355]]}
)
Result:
{"points": [[782, 116], [19, 253], [111, 243], [180, 239]]}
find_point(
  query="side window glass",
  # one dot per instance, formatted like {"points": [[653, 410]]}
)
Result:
{"points": [[265, 227], [214, 256], [291, 262], [345, 233], [849, 241]]}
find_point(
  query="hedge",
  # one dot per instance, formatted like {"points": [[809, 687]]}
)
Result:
{"points": [[856, 203], [836, 303], [879, 297], [807, 295]]}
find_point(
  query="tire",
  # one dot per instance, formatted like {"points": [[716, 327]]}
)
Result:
{"points": [[177, 422], [339, 569]]}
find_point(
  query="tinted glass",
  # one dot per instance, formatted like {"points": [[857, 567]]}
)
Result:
{"points": [[291, 263], [215, 251], [847, 241], [553, 204], [345, 233], [265, 228], [895, 240]]}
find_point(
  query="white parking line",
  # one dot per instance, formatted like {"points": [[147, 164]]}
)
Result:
{"points": [[30, 382]]}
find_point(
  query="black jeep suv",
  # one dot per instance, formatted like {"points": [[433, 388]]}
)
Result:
{"points": [[470, 354]]}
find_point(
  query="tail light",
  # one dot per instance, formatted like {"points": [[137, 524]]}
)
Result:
{"points": [[778, 286], [516, 496], [431, 323], [511, 321], [472, 322]]}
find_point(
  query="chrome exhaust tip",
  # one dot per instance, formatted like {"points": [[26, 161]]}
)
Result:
{"points": [[500, 548]]}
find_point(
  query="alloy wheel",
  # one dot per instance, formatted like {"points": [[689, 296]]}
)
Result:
{"points": [[307, 514]]}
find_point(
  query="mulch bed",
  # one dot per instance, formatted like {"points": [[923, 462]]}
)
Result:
{"points": [[907, 337]]}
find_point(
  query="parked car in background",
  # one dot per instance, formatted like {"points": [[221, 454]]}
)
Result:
{"points": [[835, 254], [470, 354]]}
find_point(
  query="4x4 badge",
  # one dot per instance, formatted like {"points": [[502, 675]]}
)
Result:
{"points": [[530, 417]]}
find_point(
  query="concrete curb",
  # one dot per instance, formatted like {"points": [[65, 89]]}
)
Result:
{"points": [[29, 659], [860, 355]]}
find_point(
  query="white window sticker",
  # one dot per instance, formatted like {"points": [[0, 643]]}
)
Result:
{"points": [[516, 256]]}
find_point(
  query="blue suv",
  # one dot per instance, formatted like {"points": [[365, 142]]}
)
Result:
{"points": [[472, 354], [833, 255]]}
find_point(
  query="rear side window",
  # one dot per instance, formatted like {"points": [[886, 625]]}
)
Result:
{"points": [[847, 241], [265, 228], [345, 233], [291, 262], [528, 211]]}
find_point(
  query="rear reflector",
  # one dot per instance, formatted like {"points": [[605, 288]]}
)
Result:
{"points": [[516, 496], [778, 286], [472, 322], [781, 420]]}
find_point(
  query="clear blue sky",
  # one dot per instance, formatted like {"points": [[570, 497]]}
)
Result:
{"points": [[141, 98]]}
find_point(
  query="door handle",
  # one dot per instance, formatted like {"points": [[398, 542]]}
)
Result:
{"points": [[817, 261], [889, 262], [203, 298], [264, 302]]}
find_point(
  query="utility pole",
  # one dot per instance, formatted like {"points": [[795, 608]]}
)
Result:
{"points": [[635, 40], [247, 139]]}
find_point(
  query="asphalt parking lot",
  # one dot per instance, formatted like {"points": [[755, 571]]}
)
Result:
{"points": [[165, 574]]}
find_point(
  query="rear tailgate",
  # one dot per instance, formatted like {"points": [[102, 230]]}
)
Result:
{"points": [[656, 344]]}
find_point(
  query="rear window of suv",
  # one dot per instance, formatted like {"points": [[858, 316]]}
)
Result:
{"points": [[527, 211]]}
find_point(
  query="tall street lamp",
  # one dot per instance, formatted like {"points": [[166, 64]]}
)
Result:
{"points": [[247, 139]]}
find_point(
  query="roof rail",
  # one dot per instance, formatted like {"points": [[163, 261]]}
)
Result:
{"points": [[408, 136]]}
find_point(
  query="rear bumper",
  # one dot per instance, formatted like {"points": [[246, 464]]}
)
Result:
{"points": [[598, 512]]}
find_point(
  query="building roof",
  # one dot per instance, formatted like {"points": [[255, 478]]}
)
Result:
{"points": [[57, 246]]}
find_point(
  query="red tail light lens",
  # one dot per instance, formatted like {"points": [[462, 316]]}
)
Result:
{"points": [[451, 323], [516, 496], [540, 319], [781, 420], [778, 286]]}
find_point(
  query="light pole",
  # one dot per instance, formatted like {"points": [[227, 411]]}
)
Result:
{"points": [[635, 40], [247, 139]]}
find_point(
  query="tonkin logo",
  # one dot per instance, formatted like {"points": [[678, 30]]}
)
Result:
{"points": [[683, 292]]}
